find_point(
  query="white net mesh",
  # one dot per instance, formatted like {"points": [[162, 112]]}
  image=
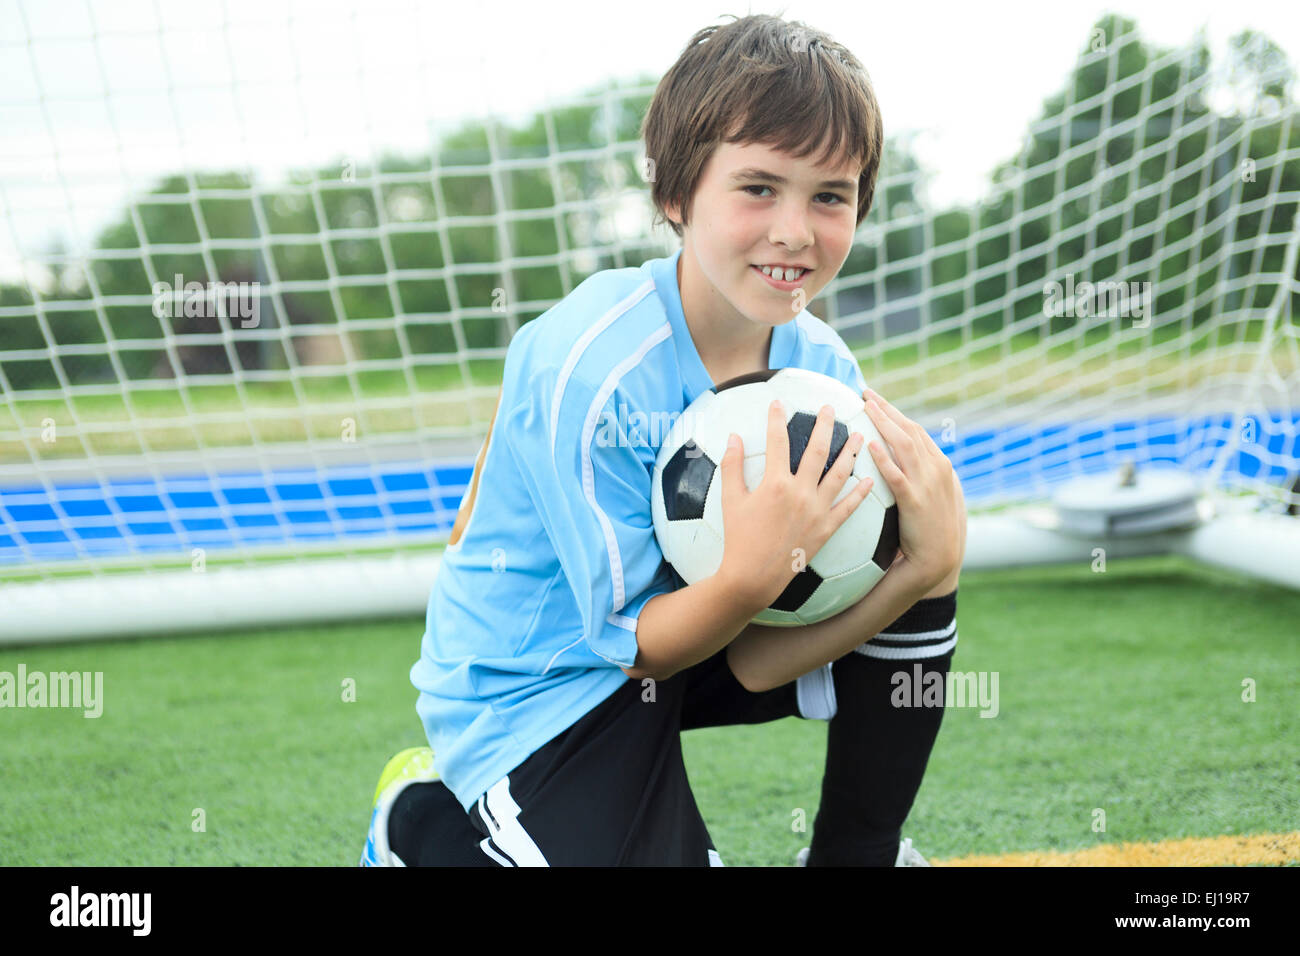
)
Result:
{"points": [[1127, 290]]}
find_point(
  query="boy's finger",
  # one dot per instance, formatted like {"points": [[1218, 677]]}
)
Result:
{"points": [[733, 469], [843, 467], [778, 442], [818, 450], [892, 474], [890, 430], [894, 414], [912, 428], [841, 511]]}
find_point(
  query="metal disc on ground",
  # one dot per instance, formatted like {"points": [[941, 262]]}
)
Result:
{"points": [[1130, 500]]}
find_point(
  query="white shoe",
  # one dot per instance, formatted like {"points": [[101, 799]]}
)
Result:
{"points": [[906, 856], [909, 857]]}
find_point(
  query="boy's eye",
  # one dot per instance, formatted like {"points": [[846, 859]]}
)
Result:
{"points": [[838, 199]]}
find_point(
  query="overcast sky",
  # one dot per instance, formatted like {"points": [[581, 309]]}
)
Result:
{"points": [[280, 84]]}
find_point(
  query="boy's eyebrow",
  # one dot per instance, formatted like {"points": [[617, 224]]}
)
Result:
{"points": [[753, 172]]}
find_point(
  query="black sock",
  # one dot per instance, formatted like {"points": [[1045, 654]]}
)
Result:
{"points": [[876, 753], [427, 827]]}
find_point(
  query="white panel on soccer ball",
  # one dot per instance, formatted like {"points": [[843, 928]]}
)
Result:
{"points": [[677, 435], [755, 468], [800, 389], [840, 593], [705, 420], [742, 410], [713, 505], [854, 541], [698, 549], [772, 618], [865, 466]]}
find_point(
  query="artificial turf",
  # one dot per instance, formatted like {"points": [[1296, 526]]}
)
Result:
{"points": [[1119, 692]]}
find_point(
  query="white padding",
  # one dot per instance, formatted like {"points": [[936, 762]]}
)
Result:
{"points": [[816, 694]]}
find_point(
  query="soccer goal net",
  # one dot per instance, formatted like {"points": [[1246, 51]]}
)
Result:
{"points": [[232, 394]]}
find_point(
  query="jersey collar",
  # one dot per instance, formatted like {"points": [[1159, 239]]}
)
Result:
{"points": [[695, 377]]}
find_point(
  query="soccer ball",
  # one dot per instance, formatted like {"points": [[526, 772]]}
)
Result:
{"points": [[686, 495]]}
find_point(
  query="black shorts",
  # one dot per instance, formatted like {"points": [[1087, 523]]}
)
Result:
{"points": [[612, 790]]}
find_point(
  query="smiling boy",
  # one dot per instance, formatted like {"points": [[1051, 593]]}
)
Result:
{"points": [[562, 657]]}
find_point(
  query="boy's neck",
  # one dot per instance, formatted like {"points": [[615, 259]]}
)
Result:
{"points": [[725, 352]]}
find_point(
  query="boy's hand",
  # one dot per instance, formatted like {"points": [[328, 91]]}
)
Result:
{"points": [[771, 532], [931, 510]]}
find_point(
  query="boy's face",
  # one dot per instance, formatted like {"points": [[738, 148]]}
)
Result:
{"points": [[742, 220]]}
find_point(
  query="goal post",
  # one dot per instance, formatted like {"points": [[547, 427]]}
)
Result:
{"points": [[232, 396]]}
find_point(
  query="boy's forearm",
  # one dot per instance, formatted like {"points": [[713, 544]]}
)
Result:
{"points": [[766, 657], [683, 627]]}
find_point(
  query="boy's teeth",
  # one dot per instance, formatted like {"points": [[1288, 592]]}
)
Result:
{"points": [[782, 275]]}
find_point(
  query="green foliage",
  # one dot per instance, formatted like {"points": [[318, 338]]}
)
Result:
{"points": [[1126, 174]]}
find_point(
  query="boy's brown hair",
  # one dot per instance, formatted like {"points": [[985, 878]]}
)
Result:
{"points": [[760, 80]]}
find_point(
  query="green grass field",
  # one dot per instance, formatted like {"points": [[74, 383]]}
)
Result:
{"points": [[1120, 691]]}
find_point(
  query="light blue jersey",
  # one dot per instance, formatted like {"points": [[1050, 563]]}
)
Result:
{"points": [[553, 555]]}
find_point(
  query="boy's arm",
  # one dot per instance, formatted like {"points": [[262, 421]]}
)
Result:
{"points": [[683, 627], [679, 629], [766, 657]]}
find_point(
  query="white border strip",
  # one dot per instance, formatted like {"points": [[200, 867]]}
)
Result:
{"points": [[507, 832], [580, 346], [260, 595], [588, 475]]}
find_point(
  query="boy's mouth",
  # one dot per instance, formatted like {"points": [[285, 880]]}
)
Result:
{"points": [[776, 278]]}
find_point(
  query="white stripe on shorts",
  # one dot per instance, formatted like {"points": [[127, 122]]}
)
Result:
{"points": [[501, 815], [486, 846]]}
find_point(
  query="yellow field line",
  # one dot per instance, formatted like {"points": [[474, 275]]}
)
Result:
{"points": [[1272, 849]]}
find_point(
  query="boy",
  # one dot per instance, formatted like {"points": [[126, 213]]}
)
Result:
{"points": [[562, 658]]}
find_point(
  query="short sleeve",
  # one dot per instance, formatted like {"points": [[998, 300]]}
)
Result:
{"points": [[829, 354], [845, 368], [859, 383], [591, 487]]}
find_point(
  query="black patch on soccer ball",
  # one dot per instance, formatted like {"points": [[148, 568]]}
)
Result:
{"points": [[798, 591], [800, 429], [749, 379], [887, 546], [686, 480]]}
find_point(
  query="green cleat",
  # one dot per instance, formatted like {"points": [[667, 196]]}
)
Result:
{"points": [[414, 765]]}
